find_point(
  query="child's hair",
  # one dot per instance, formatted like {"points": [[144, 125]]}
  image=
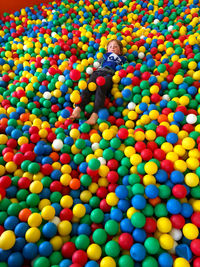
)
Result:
{"points": [[119, 44]]}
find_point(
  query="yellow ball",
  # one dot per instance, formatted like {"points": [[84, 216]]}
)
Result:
{"points": [[135, 159], [148, 179], [192, 163], [92, 86], [180, 165], [79, 210], [43, 203], [150, 135], [95, 138], [103, 170], [7, 240], [65, 179], [32, 235], [56, 242], [150, 168], [166, 241], [64, 228], [181, 262], [112, 199], [107, 134], [139, 136], [191, 179], [178, 79], [94, 252], [129, 151], [190, 231], [164, 225], [82, 84], [48, 213], [74, 133], [34, 220], [107, 261], [36, 187], [188, 143], [11, 167], [66, 201]]}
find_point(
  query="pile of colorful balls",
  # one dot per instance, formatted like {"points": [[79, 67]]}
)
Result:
{"points": [[124, 192]]}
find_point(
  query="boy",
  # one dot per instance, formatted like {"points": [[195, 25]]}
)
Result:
{"points": [[107, 69]]}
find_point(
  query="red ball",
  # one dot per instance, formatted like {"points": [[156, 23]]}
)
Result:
{"points": [[195, 218], [146, 154], [80, 257], [112, 164], [159, 154], [68, 249], [112, 177], [100, 81], [140, 146], [102, 192], [122, 73], [179, 191], [24, 183], [104, 206], [56, 186], [167, 165], [75, 75], [18, 158], [177, 221], [65, 158], [150, 225], [125, 241], [123, 133], [195, 247], [112, 187], [161, 130], [66, 214], [5, 181], [46, 169], [196, 262]]}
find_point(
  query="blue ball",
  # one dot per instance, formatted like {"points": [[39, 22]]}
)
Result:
{"points": [[65, 113], [103, 114], [138, 252], [45, 249], [161, 176], [30, 251], [151, 191], [15, 260], [187, 210], [184, 251], [165, 260], [65, 263], [172, 138], [139, 235], [84, 229], [4, 254], [143, 106], [19, 244], [92, 264], [121, 191], [177, 177], [138, 202], [11, 222], [178, 116], [174, 206], [21, 228], [127, 94], [123, 205], [49, 230], [126, 226], [116, 214]]}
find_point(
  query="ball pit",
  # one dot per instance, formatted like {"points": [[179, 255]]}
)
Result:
{"points": [[124, 192]]}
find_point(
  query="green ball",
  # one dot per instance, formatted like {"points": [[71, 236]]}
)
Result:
{"points": [[85, 128], [126, 261], [195, 191], [112, 248], [94, 164], [115, 143], [160, 210], [82, 242], [123, 170], [55, 197], [164, 191], [111, 227], [4, 204], [97, 216], [138, 189], [99, 236], [3, 216], [33, 200], [86, 180], [41, 261], [14, 209], [133, 179], [148, 210], [25, 164], [78, 158], [94, 202], [149, 261], [108, 154], [55, 257], [33, 168], [138, 220], [152, 245], [80, 143]]}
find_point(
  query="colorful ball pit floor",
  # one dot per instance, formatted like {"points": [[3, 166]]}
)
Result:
{"points": [[124, 192]]}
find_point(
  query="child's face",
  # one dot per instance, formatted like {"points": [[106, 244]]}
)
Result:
{"points": [[113, 47]]}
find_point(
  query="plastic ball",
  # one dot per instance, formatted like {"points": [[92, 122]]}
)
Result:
{"points": [[190, 231], [94, 252], [75, 75], [7, 240], [181, 262], [107, 261]]}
